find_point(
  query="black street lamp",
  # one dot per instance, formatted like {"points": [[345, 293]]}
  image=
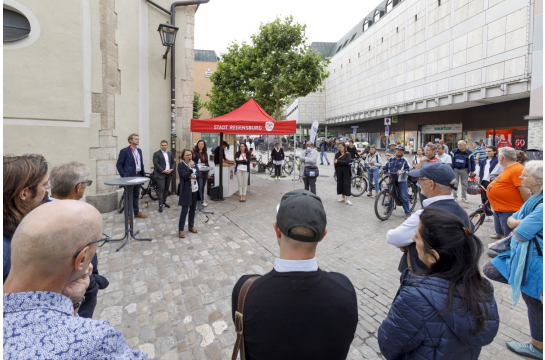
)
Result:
{"points": [[168, 34]]}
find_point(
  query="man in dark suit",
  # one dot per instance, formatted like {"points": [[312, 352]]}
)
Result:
{"points": [[298, 311], [130, 163], [163, 161]]}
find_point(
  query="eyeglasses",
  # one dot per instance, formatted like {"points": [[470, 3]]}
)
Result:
{"points": [[100, 242], [88, 183], [423, 179]]}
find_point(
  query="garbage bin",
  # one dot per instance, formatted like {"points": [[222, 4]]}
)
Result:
{"points": [[209, 184]]}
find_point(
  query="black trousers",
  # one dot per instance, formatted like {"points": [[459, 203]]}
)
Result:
{"points": [[191, 221], [310, 182], [277, 170], [484, 198], [87, 308], [162, 187], [135, 195]]}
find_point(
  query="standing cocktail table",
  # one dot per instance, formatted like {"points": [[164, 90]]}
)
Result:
{"points": [[128, 184]]}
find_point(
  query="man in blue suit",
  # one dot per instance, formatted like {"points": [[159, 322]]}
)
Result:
{"points": [[129, 164]]}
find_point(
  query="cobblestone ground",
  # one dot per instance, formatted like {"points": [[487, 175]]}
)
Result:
{"points": [[171, 297]]}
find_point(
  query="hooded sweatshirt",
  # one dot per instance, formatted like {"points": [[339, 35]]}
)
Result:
{"points": [[415, 328]]}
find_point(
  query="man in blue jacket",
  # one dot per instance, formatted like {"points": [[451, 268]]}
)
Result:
{"points": [[464, 166], [399, 164], [130, 163]]}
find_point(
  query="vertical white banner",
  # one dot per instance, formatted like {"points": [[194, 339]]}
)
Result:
{"points": [[314, 131]]}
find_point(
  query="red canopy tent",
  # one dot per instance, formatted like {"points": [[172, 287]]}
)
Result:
{"points": [[250, 118]]}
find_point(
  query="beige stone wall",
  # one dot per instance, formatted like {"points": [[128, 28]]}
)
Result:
{"points": [[203, 84]]}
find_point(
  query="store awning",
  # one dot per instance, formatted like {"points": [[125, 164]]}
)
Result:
{"points": [[250, 118]]}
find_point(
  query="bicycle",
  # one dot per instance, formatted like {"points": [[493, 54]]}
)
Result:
{"points": [[388, 199], [477, 217], [290, 164], [150, 189], [257, 165]]}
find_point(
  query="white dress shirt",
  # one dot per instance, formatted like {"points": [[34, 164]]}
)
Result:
{"points": [[167, 161], [282, 265], [137, 159], [403, 234], [445, 158], [486, 173]]}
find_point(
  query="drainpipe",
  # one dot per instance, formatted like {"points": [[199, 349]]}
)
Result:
{"points": [[172, 14]]}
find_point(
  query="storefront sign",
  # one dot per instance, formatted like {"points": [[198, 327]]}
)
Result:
{"points": [[442, 129], [394, 120]]}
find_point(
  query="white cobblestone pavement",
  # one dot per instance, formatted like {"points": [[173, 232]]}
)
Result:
{"points": [[171, 297]]}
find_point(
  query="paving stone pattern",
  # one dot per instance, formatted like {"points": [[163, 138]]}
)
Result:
{"points": [[171, 297]]}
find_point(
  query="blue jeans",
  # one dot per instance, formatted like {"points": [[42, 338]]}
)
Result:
{"points": [[404, 191], [322, 155], [500, 222], [373, 175]]}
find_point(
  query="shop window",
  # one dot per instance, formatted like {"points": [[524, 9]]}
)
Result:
{"points": [[16, 26]]}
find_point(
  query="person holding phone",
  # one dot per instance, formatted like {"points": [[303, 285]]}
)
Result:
{"points": [[188, 190]]}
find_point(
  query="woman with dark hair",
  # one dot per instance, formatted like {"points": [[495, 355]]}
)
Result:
{"points": [[521, 265], [486, 166], [200, 158], [242, 170], [217, 159], [343, 161], [25, 187], [188, 190], [277, 154], [450, 313]]}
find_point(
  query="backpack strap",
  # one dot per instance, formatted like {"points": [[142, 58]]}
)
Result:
{"points": [[536, 243], [239, 327]]}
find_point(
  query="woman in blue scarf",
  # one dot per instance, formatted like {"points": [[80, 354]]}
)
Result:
{"points": [[521, 266]]}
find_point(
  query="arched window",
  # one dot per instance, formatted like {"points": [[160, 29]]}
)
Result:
{"points": [[389, 5], [16, 25], [377, 16], [366, 25]]}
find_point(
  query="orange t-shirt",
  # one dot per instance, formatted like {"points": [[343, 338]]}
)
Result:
{"points": [[503, 192]]}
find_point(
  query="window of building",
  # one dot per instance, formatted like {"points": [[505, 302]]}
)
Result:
{"points": [[389, 5], [369, 47], [438, 2], [346, 42], [16, 25], [358, 54], [339, 49], [416, 17], [377, 16], [353, 36], [349, 61], [397, 29], [382, 39]]}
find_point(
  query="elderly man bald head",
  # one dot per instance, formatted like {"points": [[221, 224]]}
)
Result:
{"points": [[44, 245], [51, 253]]}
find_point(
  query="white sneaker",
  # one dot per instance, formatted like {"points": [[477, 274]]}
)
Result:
{"points": [[465, 200], [348, 202], [204, 204], [495, 236], [488, 219], [341, 199]]}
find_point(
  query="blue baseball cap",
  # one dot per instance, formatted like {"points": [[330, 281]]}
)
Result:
{"points": [[436, 171]]}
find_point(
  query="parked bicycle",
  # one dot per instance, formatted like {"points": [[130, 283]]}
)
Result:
{"points": [[477, 217], [290, 164], [150, 189], [257, 165], [388, 199]]}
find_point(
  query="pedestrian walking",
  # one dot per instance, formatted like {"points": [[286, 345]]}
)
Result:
{"points": [[277, 155], [323, 152], [309, 168], [343, 161], [201, 159], [189, 191], [242, 161], [486, 166], [373, 162], [464, 166], [506, 193], [450, 313], [521, 265]]}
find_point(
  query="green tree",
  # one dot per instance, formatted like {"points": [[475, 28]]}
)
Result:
{"points": [[197, 105], [276, 68]]}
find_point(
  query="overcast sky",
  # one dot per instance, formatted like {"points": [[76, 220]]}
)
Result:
{"points": [[219, 22]]}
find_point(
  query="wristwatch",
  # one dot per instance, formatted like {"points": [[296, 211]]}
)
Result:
{"points": [[78, 304]]}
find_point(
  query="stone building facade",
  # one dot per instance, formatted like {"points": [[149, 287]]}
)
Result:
{"points": [[90, 73]]}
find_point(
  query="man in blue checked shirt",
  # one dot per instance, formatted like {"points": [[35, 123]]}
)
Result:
{"points": [[399, 164], [51, 252]]}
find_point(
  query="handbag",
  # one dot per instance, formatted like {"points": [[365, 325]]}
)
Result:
{"points": [[311, 171], [239, 317], [473, 186]]}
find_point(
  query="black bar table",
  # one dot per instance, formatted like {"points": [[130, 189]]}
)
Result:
{"points": [[128, 184]]}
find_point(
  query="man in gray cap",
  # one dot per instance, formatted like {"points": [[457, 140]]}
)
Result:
{"points": [[311, 312], [391, 151], [308, 159], [436, 181]]}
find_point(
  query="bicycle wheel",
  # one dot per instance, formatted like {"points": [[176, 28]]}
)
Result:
{"points": [[477, 219], [384, 182], [152, 191], [358, 185], [335, 176], [254, 166], [288, 167], [121, 205], [412, 191], [384, 205]]}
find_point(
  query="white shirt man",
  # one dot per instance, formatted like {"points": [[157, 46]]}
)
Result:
{"points": [[167, 160], [443, 155]]}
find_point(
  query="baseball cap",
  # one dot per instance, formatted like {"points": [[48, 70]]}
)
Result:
{"points": [[436, 171], [301, 208], [392, 143], [400, 147]]}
